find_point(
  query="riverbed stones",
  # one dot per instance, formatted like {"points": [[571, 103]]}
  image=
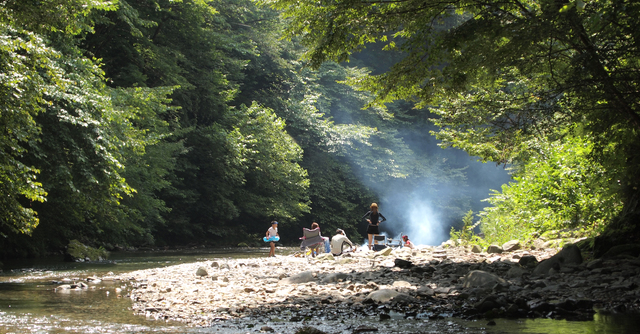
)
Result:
{"points": [[287, 287]]}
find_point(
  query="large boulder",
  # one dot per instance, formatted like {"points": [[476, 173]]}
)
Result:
{"points": [[570, 254]]}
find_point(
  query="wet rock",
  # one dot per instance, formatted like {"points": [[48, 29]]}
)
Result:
{"points": [[476, 249], [266, 329], [570, 254], [481, 279]]}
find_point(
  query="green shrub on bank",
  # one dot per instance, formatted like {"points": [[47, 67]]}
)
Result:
{"points": [[558, 188]]}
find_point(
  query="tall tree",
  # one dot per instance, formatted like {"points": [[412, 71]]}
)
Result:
{"points": [[498, 74]]}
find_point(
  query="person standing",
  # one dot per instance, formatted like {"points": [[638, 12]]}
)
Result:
{"points": [[272, 237], [338, 242], [375, 218]]}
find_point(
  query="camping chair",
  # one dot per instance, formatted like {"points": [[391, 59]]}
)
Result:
{"points": [[311, 239], [376, 245], [395, 243]]}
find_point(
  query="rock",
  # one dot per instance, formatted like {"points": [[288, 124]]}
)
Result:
{"points": [[266, 329], [597, 263], [334, 278], [476, 249], [382, 296], [425, 291], [481, 279], [385, 252], [365, 328], [309, 330], [402, 298], [570, 254], [325, 257], [494, 249], [401, 284], [538, 244], [201, 272], [403, 263], [215, 264], [528, 261], [516, 272], [511, 246], [303, 277], [626, 249]]}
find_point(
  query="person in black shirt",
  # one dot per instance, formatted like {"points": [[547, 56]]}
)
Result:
{"points": [[375, 218]]}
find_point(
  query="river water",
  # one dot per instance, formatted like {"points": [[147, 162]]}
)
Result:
{"points": [[29, 304]]}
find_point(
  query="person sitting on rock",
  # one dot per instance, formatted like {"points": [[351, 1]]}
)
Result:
{"points": [[339, 241]]}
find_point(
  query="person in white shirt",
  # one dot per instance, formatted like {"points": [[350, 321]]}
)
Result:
{"points": [[407, 242], [339, 241], [271, 237]]}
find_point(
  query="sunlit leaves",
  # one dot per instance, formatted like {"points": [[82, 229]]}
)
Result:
{"points": [[559, 187]]}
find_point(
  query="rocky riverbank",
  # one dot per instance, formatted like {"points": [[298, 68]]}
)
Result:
{"points": [[428, 282]]}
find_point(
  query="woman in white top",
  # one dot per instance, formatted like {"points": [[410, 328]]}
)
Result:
{"points": [[272, 237]]}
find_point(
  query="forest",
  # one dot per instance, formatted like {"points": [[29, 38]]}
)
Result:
{"points": [[160, 123]]}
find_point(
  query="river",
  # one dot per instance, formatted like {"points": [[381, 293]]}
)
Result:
{"points": [[29, 304]]}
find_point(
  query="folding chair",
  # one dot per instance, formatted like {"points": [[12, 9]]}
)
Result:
{"points": [[311, 239], [376, 245]]}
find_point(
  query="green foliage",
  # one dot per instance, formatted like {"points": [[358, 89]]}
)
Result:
{"points": [[500, 77], [559, 188], [76, 250], [466, 235]]}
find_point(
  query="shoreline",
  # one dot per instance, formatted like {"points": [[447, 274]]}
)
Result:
{"points": [[430, 282]]}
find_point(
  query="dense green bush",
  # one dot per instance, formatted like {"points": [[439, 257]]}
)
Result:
{"points": [[558, 188]]}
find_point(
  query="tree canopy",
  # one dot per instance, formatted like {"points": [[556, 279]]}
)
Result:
{"points": [[500, 75]]}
